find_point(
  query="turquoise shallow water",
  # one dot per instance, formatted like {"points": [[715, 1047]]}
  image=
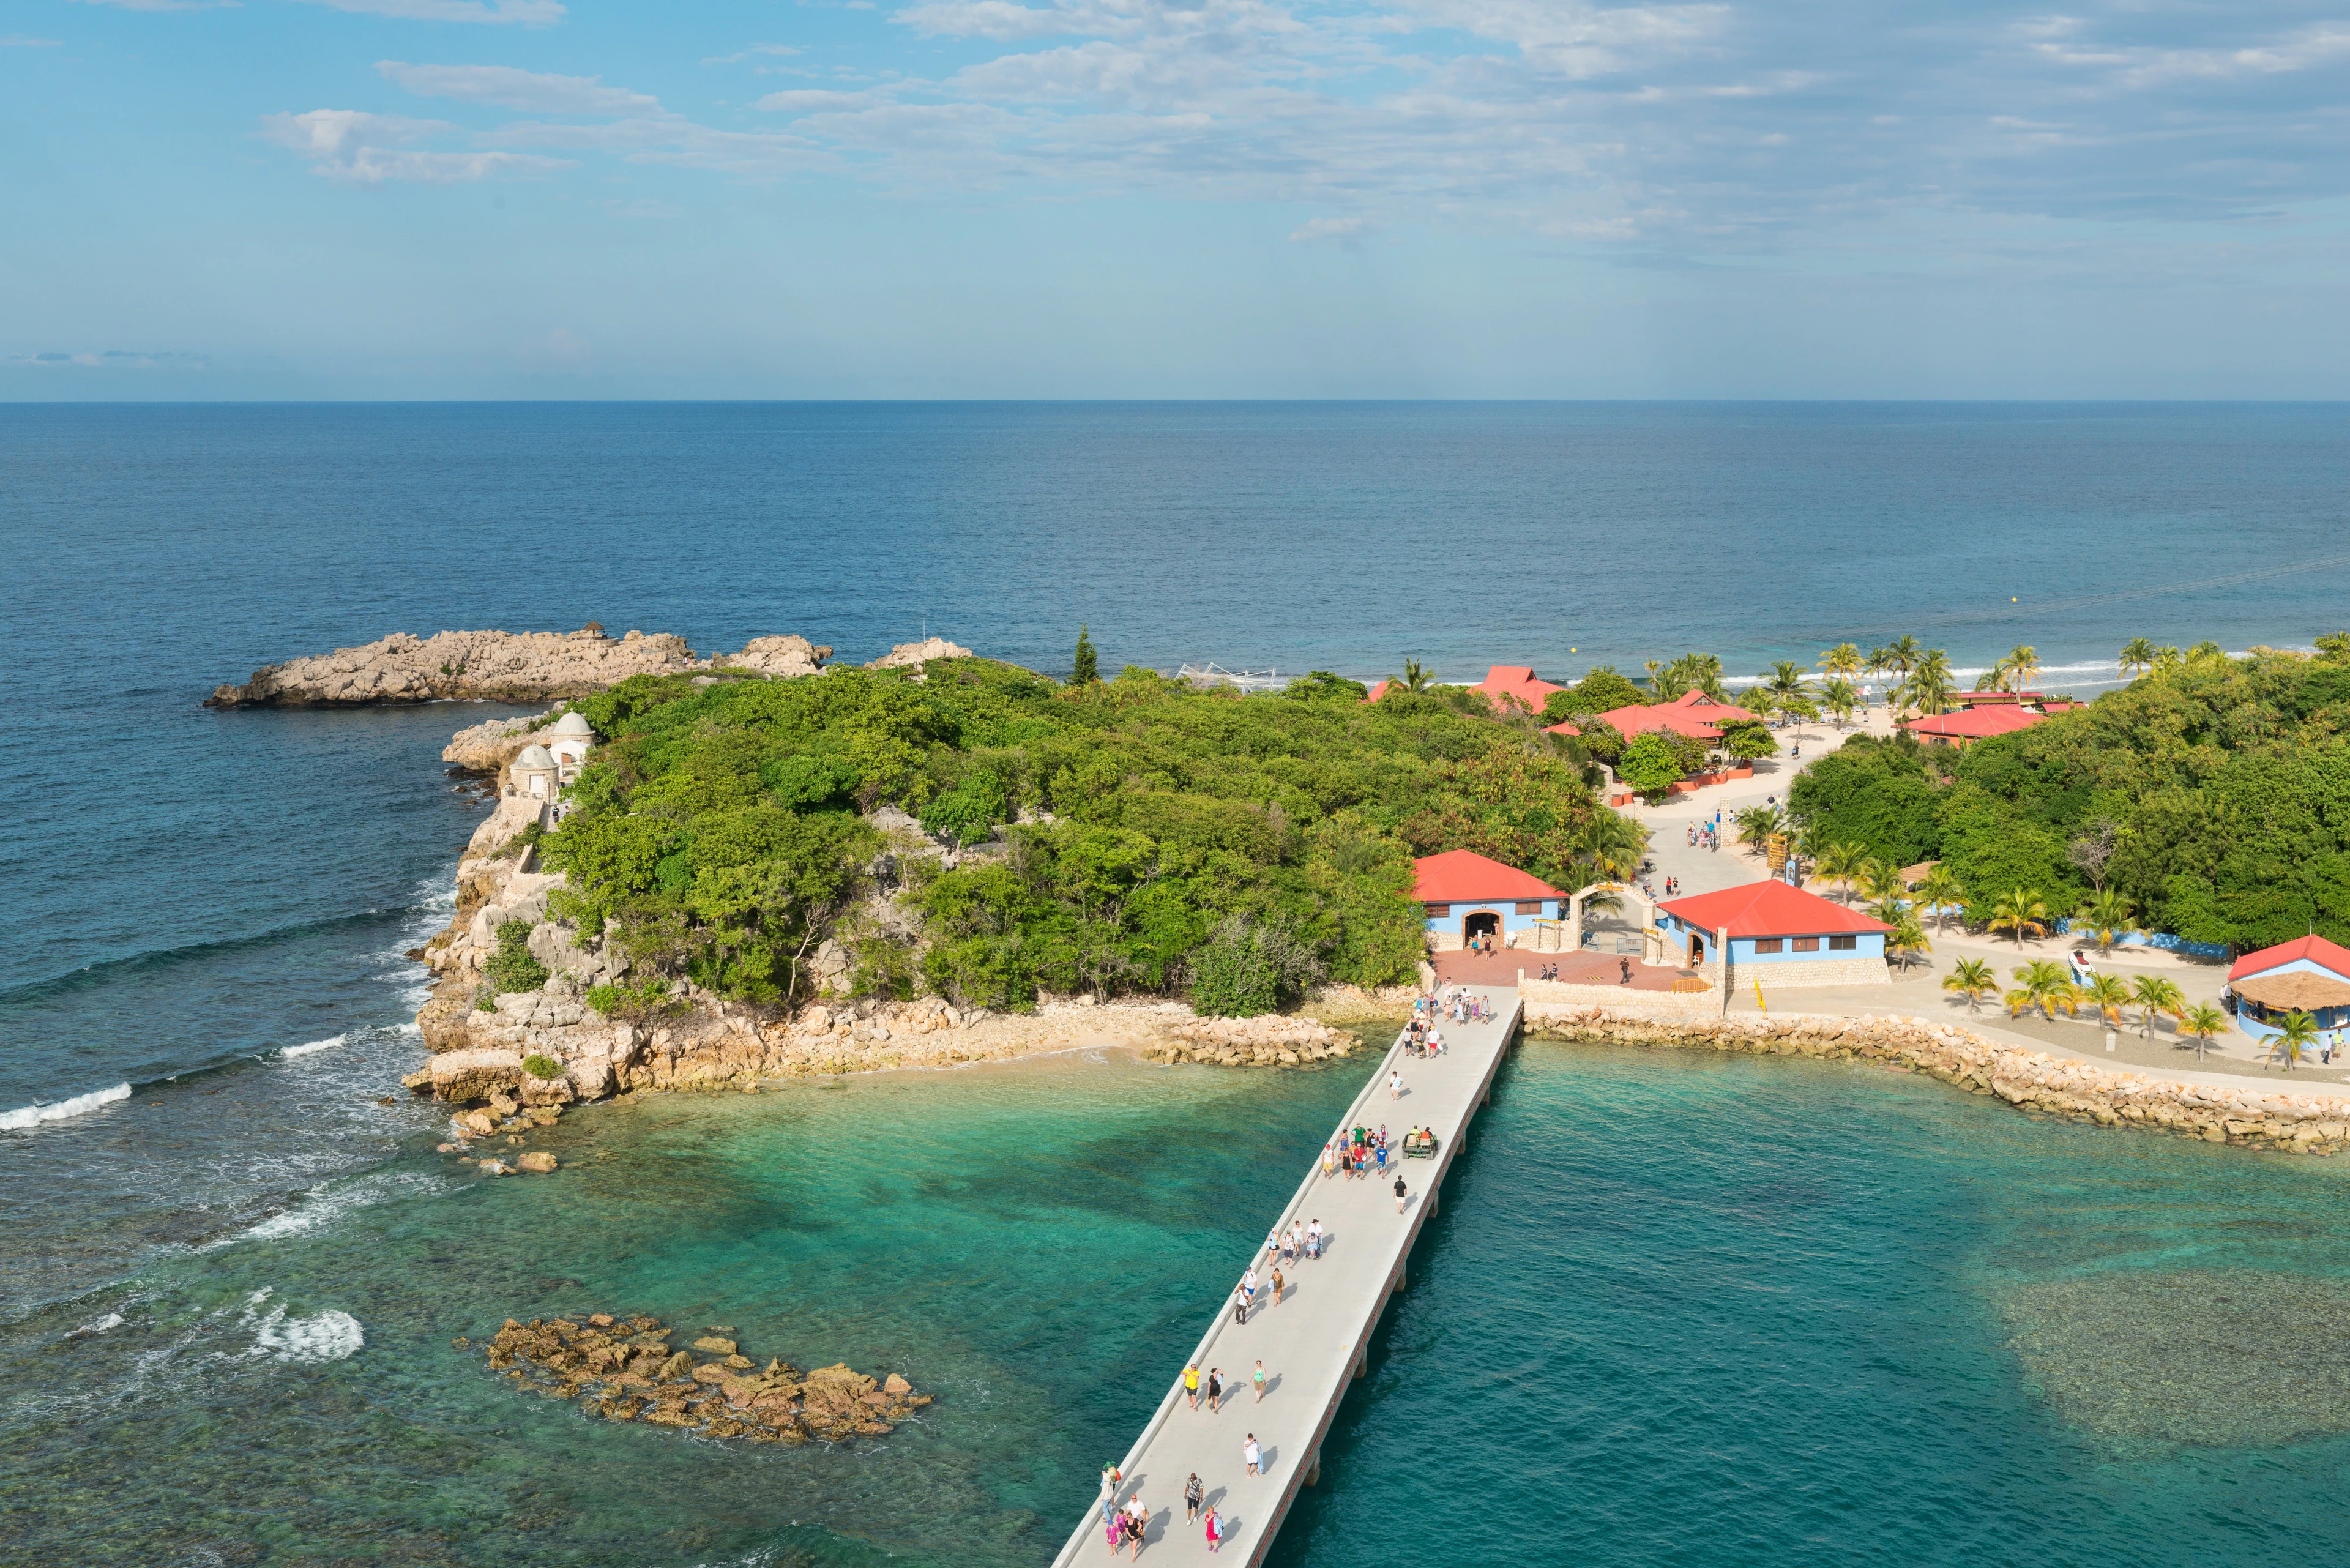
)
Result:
{"points": [[1678, 1308]]}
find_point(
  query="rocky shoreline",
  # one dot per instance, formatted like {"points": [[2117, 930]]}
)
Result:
{"points": [[499, 667], [624, 1369], [2030, 1081]]}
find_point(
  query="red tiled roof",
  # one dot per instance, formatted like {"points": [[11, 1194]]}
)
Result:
{"points": [[1975, 723], [1712, 712], [1465, 876], [1561, 730], [1517, 683], [1635, 719], [1378, 689], [1769, 909], [2317, 949]]}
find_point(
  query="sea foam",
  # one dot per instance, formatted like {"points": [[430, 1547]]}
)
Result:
{"points": [[330, 1335], [33, 1116], [327, 1044]]}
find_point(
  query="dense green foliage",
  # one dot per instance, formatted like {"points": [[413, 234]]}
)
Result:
{"points": [[1125, 835], [1602, 690], [544, 1068], [512, 967], [1650, 764], [2226, 782]]}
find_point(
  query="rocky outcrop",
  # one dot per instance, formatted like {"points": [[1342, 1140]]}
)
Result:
{"points": [[487, 747], [492, 666], [779, 657], [914, 655], [2030, 1081], [1270, 1040], [624, 1369]]}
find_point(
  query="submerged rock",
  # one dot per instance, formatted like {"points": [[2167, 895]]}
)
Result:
{"points": [[625, 1372]]}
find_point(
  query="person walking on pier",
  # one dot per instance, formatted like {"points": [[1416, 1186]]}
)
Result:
{"points": [[1395, 1083], [1191, 1384], [1313, 1238], [1329, 1161], [1259, 1380], [1276, 1287], [1400, 1191], [1216, 1529], [1215, 1389], [1193, 1492], [1254, 1455]]}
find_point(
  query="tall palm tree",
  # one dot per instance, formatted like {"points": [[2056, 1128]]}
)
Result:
{"points": [[1836, 863], [2202, 1021], [1970, 978], [2136, 657], [1928, 687], [2106, 918], [1938, 890], [2108, 995], [2020, 911], [1415, 677], [1880, 883], [2297, 1033], [2205, 652], [1906, 937], [2047, 985], [1699, 672], [1838, 696], [1667, 682], [1757, 823], [1785, 684], [1901, 654], [2015, 672], [2154, 994], [1843, 659], [2167, 658]]}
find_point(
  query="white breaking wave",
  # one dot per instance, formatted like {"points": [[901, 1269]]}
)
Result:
{"points": [[111, 1320], [320, 1207], [33, 1116], [331, 1336], [327, 1044]]}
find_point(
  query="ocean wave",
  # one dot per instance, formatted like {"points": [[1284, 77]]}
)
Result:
{"points": [[329, 1335], [329, 1043], [33, 1116], [111, 1320], [96, 974], [322, 1205]]}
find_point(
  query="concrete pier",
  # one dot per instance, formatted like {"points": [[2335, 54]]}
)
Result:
{"points": [[1316, 1341]]}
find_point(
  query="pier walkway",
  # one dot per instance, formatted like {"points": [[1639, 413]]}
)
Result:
{"points": [[1316, 1341]]}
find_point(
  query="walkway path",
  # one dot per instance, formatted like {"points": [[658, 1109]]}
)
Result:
{"points": [[1316, 1342]]}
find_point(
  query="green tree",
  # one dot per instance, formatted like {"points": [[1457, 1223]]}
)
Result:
{"points": [[2021, 912], [2295, 1037], [1084, 671], [1603, 691], [2108, 995], [2045, 985], [1970, 978], [2105, 917], [1925, 686], [2136, 657], [1838, 863], [1843, 661], [512, 967], [1908, 938], [2154, 994], [1650, 764], [2204, 1022], [1901, 655], [1783, 684], [1749, 743], [1323, 686], [1938, 890], [1415, 678], [1245, 969], [1838, 696], [2015, 668]]}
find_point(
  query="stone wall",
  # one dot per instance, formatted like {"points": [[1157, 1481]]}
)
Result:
{"points": [[2255, 1117], [1796, 974], [1549, 1000]]}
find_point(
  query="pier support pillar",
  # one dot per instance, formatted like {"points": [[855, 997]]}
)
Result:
{"points": [[1362, 1362], [1313, 1470]]}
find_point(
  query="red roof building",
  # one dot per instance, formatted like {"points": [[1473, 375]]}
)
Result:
{"points": [[1516, 684], [2307, 950], [1378, 689], [1793, 938], [1464, 876], [1974, 724], [1692, 714], [1561, 730], [1770, 908]]}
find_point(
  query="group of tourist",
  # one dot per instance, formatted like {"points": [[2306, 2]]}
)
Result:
{"points": [[1128, 1525], [1357, 1152], [1481, 943]]}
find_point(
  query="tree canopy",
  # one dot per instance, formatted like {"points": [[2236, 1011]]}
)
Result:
{"points": [[1133, 834]]}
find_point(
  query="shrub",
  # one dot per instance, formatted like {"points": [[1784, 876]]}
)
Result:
{"points": [[1651, 762], [486, 999], [542, 1067], [1244, 968], [512, 967], [634, 1004]]}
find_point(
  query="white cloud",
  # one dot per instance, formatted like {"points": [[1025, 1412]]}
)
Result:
{"points": [[511, 88], [1343, 231], [523, 13], [365, 149], [739, 55]]}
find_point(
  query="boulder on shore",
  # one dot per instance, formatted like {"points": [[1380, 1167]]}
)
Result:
{"points": [[495, 666], [779, 657], [463, 1075], [917, 654]]}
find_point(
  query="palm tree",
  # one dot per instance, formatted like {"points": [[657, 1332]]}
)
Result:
{"points": [[1928, 688], [1901, 654], [2106, 918], [2154, 994], [2046, 985], [2020, 911], [1415, 678], [2108, 995], [2205, 652], [2015, 672], [2136, 657], [1970, 978], [1785, 683], [2202, 1021], [1757, 823], [1843, 659], [2020, 1000], [2167, 658], [1880, 883], [1836, 863], [2296, 1032], [1938, 890], [1838, 696], [1906, 937]]}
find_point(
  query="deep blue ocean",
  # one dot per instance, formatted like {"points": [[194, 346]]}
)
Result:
{"points": [[1680, 1312]]}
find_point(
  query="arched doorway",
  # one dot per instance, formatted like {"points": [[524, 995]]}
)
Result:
{"points": [[1484, 923]]}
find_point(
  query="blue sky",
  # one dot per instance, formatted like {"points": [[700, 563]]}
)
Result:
{"points": [[1125, 198]]}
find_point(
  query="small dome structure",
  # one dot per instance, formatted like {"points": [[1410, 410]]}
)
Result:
{"points": [[573, 723], [534, 757]]}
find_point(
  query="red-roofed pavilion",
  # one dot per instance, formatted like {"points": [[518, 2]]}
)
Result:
{"points": [[1463, 894]]}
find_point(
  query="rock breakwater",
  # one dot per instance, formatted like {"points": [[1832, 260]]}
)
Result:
{"points": [[625, 1370], [2032, 1081]]}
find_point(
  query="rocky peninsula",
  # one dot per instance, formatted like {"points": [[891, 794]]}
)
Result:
{"points": [[498, 666]]}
